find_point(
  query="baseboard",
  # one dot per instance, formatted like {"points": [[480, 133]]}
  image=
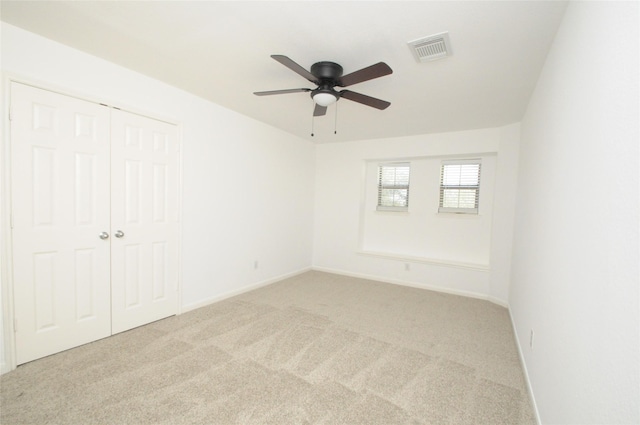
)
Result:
{"points": [[524, 369], [468, 294], [242, 290], [498, 301]]}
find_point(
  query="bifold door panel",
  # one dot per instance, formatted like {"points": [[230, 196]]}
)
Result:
{"points": [[144, 204], [60, 204], [94, 220]]}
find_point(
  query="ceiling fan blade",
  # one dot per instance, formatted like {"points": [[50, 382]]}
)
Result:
{"points": [[295, 68], [380, 69], [319, 110], [364, 99], [268, 93]]}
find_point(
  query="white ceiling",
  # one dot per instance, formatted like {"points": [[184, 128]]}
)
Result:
{"points": [[219, 50]]}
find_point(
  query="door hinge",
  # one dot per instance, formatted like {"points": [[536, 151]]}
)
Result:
{"points": [[10, 113]]}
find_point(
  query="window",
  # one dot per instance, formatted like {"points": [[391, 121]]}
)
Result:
{"points": [[393, 186], [460, 186]]}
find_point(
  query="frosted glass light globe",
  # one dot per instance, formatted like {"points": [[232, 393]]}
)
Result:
{"points": [[324, 99]]}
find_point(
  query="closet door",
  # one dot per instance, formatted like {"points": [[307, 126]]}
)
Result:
{"points": [[144, 220], [60, 209]]}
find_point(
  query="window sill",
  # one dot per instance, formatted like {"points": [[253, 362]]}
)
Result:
{"points": [[446, 214], [392, 211], [425, 260]]}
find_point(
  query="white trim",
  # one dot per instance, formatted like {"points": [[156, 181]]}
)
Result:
{"points": [[524, 370], [424, 260], [497, 301], [394, 164], [180, 212], [449, 210], [242, 290], [434, 288], [446, 215], [6, 244], [464, 161], [442, 156], [382, 208], [10, 77]]}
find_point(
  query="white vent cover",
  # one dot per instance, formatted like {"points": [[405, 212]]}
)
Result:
{"points": [[431, 48]]}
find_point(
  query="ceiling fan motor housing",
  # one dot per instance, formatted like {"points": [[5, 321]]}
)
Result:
{"points": [[327, 74], [327, 71]]}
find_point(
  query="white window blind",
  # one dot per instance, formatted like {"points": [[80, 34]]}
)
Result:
{"points": [[393, 186], [460, 186]]}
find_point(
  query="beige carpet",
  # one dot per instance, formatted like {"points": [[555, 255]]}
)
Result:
{"points": [[313, 349]]}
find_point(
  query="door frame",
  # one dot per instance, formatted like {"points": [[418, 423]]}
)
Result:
{"points": [[8, 358]]}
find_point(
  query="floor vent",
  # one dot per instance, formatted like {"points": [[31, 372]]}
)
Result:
{"points": [[431, 48]]}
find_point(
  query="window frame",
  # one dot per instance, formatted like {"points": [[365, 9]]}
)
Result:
{"points": [[460, 187], [381, 186]]}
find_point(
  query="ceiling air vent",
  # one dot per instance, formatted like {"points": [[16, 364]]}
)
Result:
{"points": [[431, 48]]}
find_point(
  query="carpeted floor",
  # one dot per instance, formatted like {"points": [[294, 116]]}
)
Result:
{"points": [[313, 349]]}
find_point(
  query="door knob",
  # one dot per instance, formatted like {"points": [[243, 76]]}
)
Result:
{"points": [[104, 235], [119, 234]]}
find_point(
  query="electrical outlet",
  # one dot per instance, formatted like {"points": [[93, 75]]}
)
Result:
{"points": [[407, 267], [531, 339]]}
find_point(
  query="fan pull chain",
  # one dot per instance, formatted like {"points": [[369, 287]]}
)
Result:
{"points": [[312, 120], [335, 121]]}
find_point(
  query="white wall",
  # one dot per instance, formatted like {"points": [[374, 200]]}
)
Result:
{"points": [[504, 214], [247, 187], [575, 265], [347, 226]]}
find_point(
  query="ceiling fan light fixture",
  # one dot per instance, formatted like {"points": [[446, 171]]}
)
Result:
{"points": [[325, 98]]}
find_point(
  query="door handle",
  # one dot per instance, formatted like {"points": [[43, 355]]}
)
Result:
{"points": [[104, 235], [119, 234]]}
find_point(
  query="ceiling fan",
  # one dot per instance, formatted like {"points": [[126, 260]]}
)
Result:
{"points": [[327, 76]]}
